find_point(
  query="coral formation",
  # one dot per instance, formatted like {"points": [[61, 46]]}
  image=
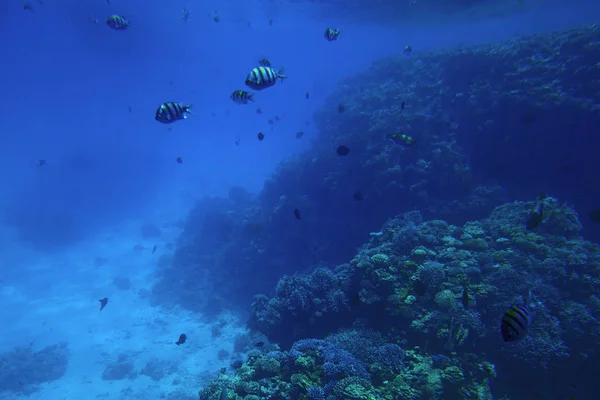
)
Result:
{"points": [[394, 304]]}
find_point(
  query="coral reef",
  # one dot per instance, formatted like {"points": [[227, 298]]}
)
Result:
{"points": [[23, 369], [408, 283]]}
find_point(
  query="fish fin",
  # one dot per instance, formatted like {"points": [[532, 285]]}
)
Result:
{"points": [[188, 109], [251, 97]]}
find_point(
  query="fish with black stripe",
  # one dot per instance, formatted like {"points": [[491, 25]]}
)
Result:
{"points": [[263, 77], [241, 97], [517, 319], [117, 22], [170, 112]]}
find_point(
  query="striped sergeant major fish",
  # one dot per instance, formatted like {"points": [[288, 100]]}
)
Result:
{"points": [[241, 96], [170, 112], [517, 319], [263, 77], [117, 22]]}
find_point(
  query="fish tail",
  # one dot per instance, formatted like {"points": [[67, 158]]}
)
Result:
{"points": [[251, 97], [188, 109], [530, 302], [280, 74]]}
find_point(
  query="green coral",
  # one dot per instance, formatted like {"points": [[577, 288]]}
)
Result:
{"points": [[453, 374]]}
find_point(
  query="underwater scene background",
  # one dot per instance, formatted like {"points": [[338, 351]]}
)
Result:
{"points": [[300, 200]]}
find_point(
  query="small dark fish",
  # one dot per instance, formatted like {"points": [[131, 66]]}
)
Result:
{"points": [[264, 62], [528, 119], [420, 288], [276, 118], [536, 216], [103, 303], [259, 344], [408, 50], [332, 34], [341, 108], [170, 112], [358, 196], [258, 111], [179, 160], [465, 297], [355, 299], [342, 151], [28, 6], [401, 139], [223, 394], [402, 105], [241, 96], [186, 15], [216, 17], [154, 249], [181, 340], [270, 122], [270, 22], [297, 213], [307, 95], [129, 108], [260, 136], [41, 162], [237, 141], [516, 320], [299, 134], [117, 22], [594, 215]]}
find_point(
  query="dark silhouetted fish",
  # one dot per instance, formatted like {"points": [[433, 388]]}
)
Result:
{"points": [[41, 162], [465, 297], [179, 160], [103, 303], [536, 216], [259, 344], [594, 215], [154, 249], [402, 105], [419, 288], [307, 96], [297, 213], [342, 151], [181, 340], [299, 134], [260, 136], [358, 196]]}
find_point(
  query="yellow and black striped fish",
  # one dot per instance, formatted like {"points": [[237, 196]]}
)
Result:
{"points": [[117, 22], [263, 77], [241, 96], [170, 112], [516, 320]]}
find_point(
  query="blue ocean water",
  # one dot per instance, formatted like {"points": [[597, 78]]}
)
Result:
{"points": [[94, 203]]}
